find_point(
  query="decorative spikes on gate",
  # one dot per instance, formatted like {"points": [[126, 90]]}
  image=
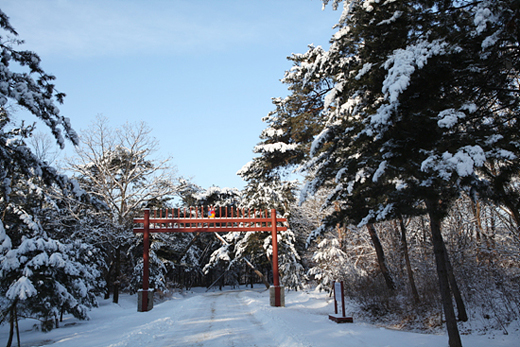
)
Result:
{"points": [[210, 219]]}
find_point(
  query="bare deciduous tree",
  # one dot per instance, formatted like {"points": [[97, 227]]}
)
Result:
{"points": [[118, 167]]}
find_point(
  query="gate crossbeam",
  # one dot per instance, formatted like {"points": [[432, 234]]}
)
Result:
{"points": [[190, 225], [186, 222]]}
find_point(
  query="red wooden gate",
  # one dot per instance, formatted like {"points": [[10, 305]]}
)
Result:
{"points": [[193, 220]]}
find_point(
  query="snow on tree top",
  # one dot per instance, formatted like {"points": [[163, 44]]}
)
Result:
{"points": [[23, 289], [275, 147]]}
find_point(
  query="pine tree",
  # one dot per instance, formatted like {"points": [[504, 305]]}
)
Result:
{"points": [[43, 273], [373, 131], [266, 194], [41, 276], [217, 197], [223, 262], [418, 99], [493, 79], [329, 262], [48, 278]]}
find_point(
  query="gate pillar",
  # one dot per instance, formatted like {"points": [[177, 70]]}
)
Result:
{"points": [[145, 296], [276, 292]]}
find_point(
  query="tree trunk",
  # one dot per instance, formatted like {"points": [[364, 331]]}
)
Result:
{"points": [[117, 275], [16, 325], [251, 277], [411, 279], [461, 308], [475, 208], [11, 327], [108, 279], [380, 257], [13, 322], [221, 282], [442, 273], [107, 288], [340, 229]]}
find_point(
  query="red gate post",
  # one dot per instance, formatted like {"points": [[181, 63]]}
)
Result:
{"points": [[146, 260], [276, 277]]}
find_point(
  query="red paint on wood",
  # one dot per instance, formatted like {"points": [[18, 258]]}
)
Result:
{"points": [[337, 317], [146, 258], [259, 222]]}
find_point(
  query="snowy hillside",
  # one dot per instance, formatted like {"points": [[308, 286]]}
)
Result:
{"points": [[231, 318]]}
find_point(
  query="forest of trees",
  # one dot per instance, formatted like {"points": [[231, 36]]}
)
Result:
{"points": [[405, 137]]}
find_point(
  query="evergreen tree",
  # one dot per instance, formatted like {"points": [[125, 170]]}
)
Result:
{"points": [[217, 197], [329, 263], [493, 77], [415, 117], [48, 278], [266, 194], [222, 259], [417, 99], [187, 191], [41, 276]]}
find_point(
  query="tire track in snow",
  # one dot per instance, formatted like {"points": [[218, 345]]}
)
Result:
{"points": [[211, 320], [207, 331], [243, 328]]}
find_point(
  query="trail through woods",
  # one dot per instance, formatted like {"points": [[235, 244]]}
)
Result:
{"points": [[231, 318]]}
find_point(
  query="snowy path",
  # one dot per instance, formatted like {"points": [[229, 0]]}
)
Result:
{"points": [[217, 319], [231, 318]]}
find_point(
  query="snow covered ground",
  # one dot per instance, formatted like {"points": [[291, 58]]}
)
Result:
{"points": [[231, 318]]}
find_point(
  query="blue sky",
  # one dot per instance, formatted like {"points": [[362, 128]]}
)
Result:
{"points": [[200, 73]]}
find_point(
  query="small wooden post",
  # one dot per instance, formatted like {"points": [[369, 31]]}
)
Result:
{"points": [[337, 288]]}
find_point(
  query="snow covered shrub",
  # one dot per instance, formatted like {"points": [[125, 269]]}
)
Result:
{"points": [[44, 278], [292, 272], [157, 273], [171, 255], [329, 262]]}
